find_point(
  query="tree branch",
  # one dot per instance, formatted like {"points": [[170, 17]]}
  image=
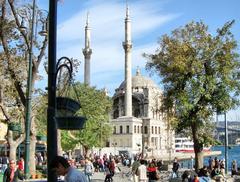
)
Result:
{"points": [[42, 51], [23, 33], [7, 53], [4, 111]]}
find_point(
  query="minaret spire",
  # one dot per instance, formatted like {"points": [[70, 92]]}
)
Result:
{"points": [[127, 45], [87, 51], [87, 20], [127, 9]]}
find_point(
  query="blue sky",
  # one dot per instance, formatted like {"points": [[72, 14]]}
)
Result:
{"points": [[150, 20]]}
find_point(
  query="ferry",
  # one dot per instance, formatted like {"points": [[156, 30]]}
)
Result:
{"points": [[184, 144], [237, 141]]}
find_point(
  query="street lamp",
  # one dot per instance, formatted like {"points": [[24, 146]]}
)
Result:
{"points": [[28, 96], [226, 143], [29, 88], [53, 122], [225, 139]]}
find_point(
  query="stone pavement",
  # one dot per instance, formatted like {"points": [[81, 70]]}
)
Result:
{"points": [[125, 176], [121, 176]]}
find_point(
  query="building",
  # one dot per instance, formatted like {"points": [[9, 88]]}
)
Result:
{"points": [[139, 126], [147, 130]]}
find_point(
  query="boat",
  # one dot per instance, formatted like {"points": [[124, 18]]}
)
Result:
{"points": [[237, 141], [184, 144]]}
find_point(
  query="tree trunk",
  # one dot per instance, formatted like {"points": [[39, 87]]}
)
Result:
{"points": [[197, 149], [32, 152], [86, 151], [12, 151], [13, 144]]}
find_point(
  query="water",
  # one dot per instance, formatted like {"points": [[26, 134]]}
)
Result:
{"points": [[233, 154]]}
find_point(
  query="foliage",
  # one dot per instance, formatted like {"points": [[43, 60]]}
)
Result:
{"points": [[40, 104], [95, 107], [200, 73], [15, 49]]}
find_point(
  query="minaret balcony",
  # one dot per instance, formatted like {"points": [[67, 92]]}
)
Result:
{"points": [[87, 51]]}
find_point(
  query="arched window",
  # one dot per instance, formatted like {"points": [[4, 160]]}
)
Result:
{"points": [[145, 129], [127, 129], [116, 114], [121, 129]]}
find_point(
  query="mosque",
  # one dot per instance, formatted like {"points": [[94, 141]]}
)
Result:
{"points": [[139, 126]]}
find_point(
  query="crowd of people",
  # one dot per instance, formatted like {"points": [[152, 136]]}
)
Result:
{"points": [[214, 170], [141, 170], [12, 171]]}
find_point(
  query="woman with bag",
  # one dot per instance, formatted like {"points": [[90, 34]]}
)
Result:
{"points": [[152, 172]]}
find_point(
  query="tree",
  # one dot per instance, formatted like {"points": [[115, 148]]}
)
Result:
{"points": [[95, 106], [14, 50], [200, 73]]}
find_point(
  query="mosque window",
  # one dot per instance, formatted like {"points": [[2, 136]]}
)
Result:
{"points": [[138, 130], [116, 114], [127, 129], [145, 130], [152, 130], [159, 130], [121, 129], [135, 129], [114, 130], [155, 130], [141, 129]]}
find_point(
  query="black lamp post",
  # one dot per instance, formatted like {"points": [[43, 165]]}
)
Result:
{"points": [[51, 124], [55, 104], [29, 84]]}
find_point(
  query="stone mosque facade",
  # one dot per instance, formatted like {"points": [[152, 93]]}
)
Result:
{"points": [[139, 126], [147, 130]]}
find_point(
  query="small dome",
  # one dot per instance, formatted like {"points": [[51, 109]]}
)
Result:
{"points": [[139, 81]]}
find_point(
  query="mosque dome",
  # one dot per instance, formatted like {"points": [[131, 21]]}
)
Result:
{"points": [[139, 81]]}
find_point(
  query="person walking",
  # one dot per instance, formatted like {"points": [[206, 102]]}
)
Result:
{"points": [[142, 172], [88, 169], [152, 172], [21, 164], [12, 173], [5, 162], [135, 166], [61, 167], [175, 168], [234, 168]]}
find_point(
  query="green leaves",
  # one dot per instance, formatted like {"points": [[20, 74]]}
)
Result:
{"points": [[95, 107], [199, 72]]}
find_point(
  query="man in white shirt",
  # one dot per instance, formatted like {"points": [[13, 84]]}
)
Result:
{"points": [[142, 172], [62, 168]]}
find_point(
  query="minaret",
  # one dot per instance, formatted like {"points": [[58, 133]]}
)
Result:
{"points": [[127, 45], [87, 51]]}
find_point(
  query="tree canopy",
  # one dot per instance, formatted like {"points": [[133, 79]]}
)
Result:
{"points": [[200, 74], [95, 106]]}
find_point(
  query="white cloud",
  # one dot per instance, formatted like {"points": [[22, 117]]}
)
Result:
{"points": [[107, 34]]}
